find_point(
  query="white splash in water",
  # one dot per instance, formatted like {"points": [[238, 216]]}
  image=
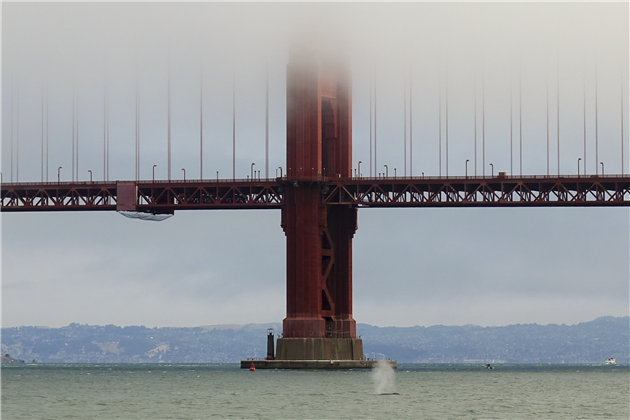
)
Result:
{"points": [[383, 378]]}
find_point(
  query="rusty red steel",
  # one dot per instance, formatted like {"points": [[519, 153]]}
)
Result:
{"points": [[150, 197], [564, 191], [502, 191]]}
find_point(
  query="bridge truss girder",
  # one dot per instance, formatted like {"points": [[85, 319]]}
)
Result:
{"points": [[166, 197], [481, 192], [150, 197]]}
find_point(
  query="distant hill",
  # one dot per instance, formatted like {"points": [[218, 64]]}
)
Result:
{"points": [[587, 342], [7, 358]]}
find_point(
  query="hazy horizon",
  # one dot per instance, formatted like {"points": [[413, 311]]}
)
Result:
{"points": [[266, 324]]}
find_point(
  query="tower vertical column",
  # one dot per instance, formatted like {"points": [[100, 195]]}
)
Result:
{"points": [[319, 323], [342, 223], [301, 217]]}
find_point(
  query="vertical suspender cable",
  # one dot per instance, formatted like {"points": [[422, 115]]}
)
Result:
{"points": [[169, 119], [621, 79], [105, 128], [267, 121], [17, 133], [77, 151], [405, 124], [138, 112], [42, 157], [596, 125], [137, 132], [107, 125], [73, 127], [520, 117], [584, 116], [233, 122], [47, 132], [511, 125], [440, 124], [475, 113], [558, 107], [136, 120], [12, 96], [547, 79], [446, 122], [410, 119], [375, 121], [370, 81], [201, 121], [483, 119]]}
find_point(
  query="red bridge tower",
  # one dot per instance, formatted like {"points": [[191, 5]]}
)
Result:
{"points": [[319, 323]]}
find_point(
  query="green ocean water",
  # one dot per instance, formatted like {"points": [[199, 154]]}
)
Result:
{"points": [[207, 391]]}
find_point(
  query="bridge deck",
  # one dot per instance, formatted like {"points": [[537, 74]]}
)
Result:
{"points": [[168, 196]]}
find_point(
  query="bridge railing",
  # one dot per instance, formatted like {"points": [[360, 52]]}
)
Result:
{"points": [[142, 181], [485, 177], [322, 178]]}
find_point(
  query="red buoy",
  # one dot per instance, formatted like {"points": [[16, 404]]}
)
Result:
{"points": [[252, 368]]}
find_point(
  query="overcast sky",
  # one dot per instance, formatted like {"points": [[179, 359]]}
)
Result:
{"points": [[411, 266]]}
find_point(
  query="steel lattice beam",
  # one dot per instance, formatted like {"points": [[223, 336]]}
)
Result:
{"points": [[613, 190], [151, 197], [165, 197]]}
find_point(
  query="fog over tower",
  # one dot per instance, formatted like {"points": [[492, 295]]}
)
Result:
{"points": [[319, 323]]}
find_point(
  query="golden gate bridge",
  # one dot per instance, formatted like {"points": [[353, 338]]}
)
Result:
{"points": [[319, 193]]}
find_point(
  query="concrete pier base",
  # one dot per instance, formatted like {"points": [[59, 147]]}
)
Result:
{"points": [[313, 364], [317, 353], [319, 349]]}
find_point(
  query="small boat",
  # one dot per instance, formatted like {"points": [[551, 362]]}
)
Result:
{"points": [[610, 361]]}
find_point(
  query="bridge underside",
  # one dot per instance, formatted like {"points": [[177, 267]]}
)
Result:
{"points": [[166, 197]]}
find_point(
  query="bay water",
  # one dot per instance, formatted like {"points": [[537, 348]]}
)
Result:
{"points": [[418, 391]]}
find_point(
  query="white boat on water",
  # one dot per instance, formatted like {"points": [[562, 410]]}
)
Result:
{"points": [[610, 361]]}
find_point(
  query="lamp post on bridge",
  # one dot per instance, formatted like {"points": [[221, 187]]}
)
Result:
{"points": [[467, 160], [280, 167], [492, 166], [602, 163], [58, 174], [184, 169], [154, 172], [251, 170], [579, 159], [394, 173], [90, 171], [359, 167], [386, 171]]}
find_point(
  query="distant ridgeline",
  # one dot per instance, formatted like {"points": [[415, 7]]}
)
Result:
{"points": [[587, 342]]}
